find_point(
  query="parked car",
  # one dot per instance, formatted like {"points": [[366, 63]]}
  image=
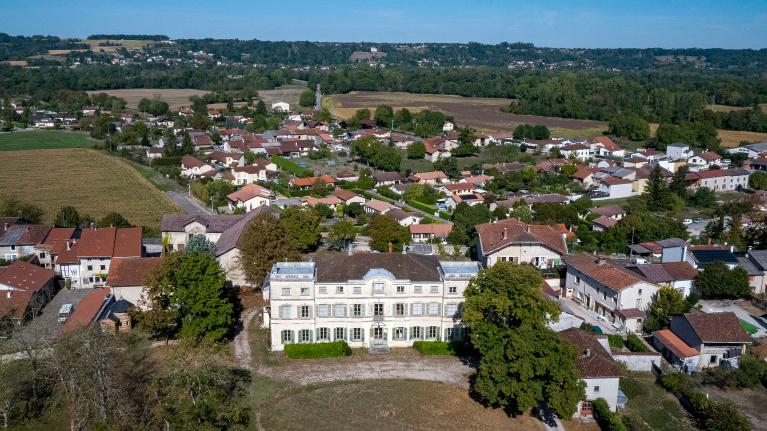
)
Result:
{"points": [[699, 220], [65, 311], [687, 221]]}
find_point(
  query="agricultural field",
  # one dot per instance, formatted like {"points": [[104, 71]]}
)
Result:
{"points": [[45, 140], [481, 113], [89, 180], [175, 97], [287, 93], [128, 44]]}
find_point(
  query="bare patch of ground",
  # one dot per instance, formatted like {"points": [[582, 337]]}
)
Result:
{"points": [[751, 401], [175, 97]]}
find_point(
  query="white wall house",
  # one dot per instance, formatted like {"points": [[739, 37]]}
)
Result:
{"points": [[368, 300], [281, 107], [511, 240], [718, 180]]}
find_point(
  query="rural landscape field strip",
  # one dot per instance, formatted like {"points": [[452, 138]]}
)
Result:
{"points": [[175, 97], [45, 139], [89, 180]]}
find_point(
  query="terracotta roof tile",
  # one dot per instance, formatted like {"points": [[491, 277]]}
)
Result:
{"points": [[593, 360], [87, 310], [131, 271], [491, 235], [675, 344], [611, 276], [717, 327]]}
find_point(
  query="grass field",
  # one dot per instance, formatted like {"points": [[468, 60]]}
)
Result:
{"points": [[89, 180], [45, 140], [175, 97], [650, 407], [481, 113]]}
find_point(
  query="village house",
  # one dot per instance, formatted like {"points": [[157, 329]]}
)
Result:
{"points": [[752, 151], [718, 180], [375, 206], [598, 370], [55, 241], [697, 340], [402, 217], [704, 160], [679, 152], [201, 141], [86, 263], [331, 201], [153, 153], [758, 260], [603, 146], [679, 275], [280, 107], [436, 148], [249, 197], [615, 188], [24, 289], [348, 197], [20, 239], [192, 167], [616, 294], [128, 275], [376, 300], [260, 170], [432, 178], [383, 178], [581, 152], [511, 240], [457, 188], [470, 199], [422, 233], [308, 182], [89, 310], [227, 159]]}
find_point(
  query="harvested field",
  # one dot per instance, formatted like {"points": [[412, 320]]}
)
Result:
{"points": [[481, 113], [20, 63], [287, 93], [128, 44], [89, 180], [175, 97]]}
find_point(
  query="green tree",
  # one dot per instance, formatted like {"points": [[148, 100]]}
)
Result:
{"points": [[719, 281], [67, 217], [341, 235], [114, 219], [261, 108], [678, 184], [465, 217], [522, 362], [200, 244], [12, 207], [204, 308], [703, 197], [265, 241], [384, 116], [449, 166], [665, 302], [307, 98], [630, 126], [640, 227], [303, 224], [354, 209], [758, 180], [657, 194], [416, 150], [384, 230]]}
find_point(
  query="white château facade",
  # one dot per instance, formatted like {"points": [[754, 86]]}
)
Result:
{"points": [[369, 300]]}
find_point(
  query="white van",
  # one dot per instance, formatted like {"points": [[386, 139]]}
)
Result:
{"points": [[65, 311]]}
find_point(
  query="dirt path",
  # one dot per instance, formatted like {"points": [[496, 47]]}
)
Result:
{"points": [[446, 369]]}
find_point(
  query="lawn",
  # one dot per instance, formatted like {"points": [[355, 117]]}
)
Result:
{"points": [[650, 407], [44, 140], [92, 181]]}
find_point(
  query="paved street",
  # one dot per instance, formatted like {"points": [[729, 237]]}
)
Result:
{"points": [[189, 205], [572, 307]]}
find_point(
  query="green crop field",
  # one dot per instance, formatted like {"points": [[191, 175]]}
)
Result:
{"points": [[45, 140]]}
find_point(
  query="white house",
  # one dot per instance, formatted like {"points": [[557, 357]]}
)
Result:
{"points": [[249, 196], [86, 263], [615, 293], [280, 107], [127, 278], [448, 127], [192, 167], [718, 180], [260, 170], [581, 152], [704, 160], [679, 152], [375, 300], [615, 188], [511, 240], [679, 275]]}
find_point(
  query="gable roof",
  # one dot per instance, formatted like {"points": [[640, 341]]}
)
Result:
{"points": [[428, 176], [23, 234], [344, 194], [248, 192], [608, 211], [213, 222], [105, 242], [495, 236], [675, 344], [593, 360], [382, 176], [192, 162], [605, 221], [413, 267], [131, 271], [310, 181], [378, 205], [667, 272], [87, 310], [438, 229], [607, 143], [612, 276], [717, 327]]}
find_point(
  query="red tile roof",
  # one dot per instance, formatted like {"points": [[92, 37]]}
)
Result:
{"points": [[248, 192], [87, 310], [717, 327], [104, 242], [344, 194], [614, 181], [593, 360], [439, 229], [427, 176], [191, 162], [24, 279], [491, 235], [310, 181], [606, 142], [611, 276], [131, 271], [678, 347]]}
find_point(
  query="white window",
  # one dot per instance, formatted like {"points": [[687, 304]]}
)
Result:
{"points": [[284, 311], [340, 334], [357, 310], [305, 336], [304, 291], [305, 311], [323, 334], [451, 310], [357, 290], [399, 309], [400, 333], [286, 336], [418, 289], [400, 289], [448, 334], [416, 333], [323, 290], [417, 309], [432, 332], [596, 389], [378, 288], [434, 289], [340, 310], [339, 289], [434, 309], [323, 310], [285, 291], [452, 289], [357, 334]]}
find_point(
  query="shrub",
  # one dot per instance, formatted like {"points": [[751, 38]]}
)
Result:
{"points": [[616, 341], [318, 350], [387, 192], [439, 348], [725, 416], [607, 419], [674, 382], [422, 206], [635, 344]]}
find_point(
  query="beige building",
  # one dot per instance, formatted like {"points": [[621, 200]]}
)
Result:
{"points": [[511, 240], [369, 300]]}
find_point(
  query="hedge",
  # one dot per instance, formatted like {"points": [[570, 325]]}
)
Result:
{"points": [[428, 209], [616, 341], [387, 192], [443, 348], [635, 344], [292, 168], [606, 418], [318, 350]]}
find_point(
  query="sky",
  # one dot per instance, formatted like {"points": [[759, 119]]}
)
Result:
{"points": [[546, 23]]}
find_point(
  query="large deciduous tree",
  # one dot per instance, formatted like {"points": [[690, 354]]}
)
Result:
{"points": [[264, 242], [522, 361], [384, 230], [303, 223], [718, 281], [665, 302]]}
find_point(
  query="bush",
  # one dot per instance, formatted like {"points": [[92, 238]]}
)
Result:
{"points": [[318, 350], [422, 206], [292, 168], [616, 341], [387, 192], [607, 419], [635, 344], [674, 382], [439, 348]]}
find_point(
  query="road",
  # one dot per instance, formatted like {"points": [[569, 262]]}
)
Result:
{"points": [[189, 205]]}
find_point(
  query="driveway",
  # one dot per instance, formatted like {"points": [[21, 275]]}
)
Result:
{"points": [[718, 306], [590, 317], [696, 229], [44, 328], [190, 205]]}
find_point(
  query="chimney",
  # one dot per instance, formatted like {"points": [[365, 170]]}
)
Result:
{"points": [[587, 353], [5, 226], [601, 261], [391, 248], [68, 245], [505, 233]]}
